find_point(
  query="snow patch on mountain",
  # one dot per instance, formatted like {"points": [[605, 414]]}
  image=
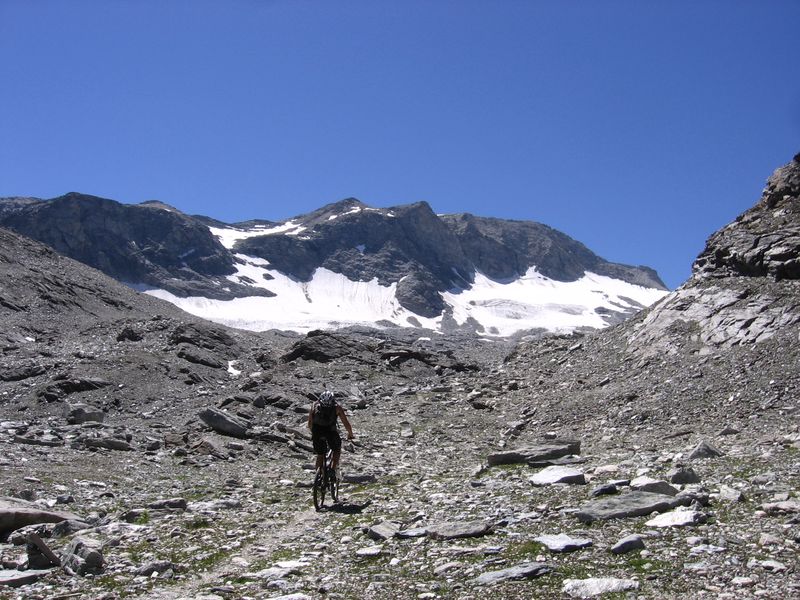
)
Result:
{"points": [[331, 300], [534, 301]]}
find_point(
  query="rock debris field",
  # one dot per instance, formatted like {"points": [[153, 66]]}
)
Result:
{"points": [[145, 453]]}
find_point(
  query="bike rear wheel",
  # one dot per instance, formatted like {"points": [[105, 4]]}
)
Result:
{"points": [[319, 492]]}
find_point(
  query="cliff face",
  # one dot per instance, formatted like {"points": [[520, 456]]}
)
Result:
{"points": [[143, 244], [745, 285]]}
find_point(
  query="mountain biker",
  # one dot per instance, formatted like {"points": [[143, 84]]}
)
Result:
{"points": [[324, 433]]}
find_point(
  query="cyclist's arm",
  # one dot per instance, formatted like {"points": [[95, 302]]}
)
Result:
{"points": [[311, 416], [345, 422]]}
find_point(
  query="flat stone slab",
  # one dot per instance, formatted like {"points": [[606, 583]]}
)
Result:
{"points": [[632, 504], [14, 578], [383, 531], [16, 513], [682, 517], [563, 542], [655, 486], [522, 571], [785, 507], [467, 529], [556, 474], [540, 454], [370, 551], [595, 586]]}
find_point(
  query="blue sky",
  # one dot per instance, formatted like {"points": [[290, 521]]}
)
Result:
{"points": [[636, 127]]}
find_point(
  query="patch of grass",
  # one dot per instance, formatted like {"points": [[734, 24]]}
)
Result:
{"points": [[142, 519], [640, 564], [524, 550]]}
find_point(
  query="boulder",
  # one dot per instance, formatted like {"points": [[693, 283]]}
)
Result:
{"points": [[83, 556], [556, 474], [225, 423], [77, 414], [529, 570], [539, 455], [628, 544], [632, 504], [383, 531], [655, 486], [683, 475], [16, 513], [784, 507], [704, 450], [14, 578]]}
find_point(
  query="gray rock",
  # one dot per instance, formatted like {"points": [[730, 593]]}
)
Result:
{"points": [[632, 504], [540, 455], [704, 450], [156, 566], [225, 423], [628, 544], [383, 531], [729, 494], [595, 586], [83, 413], [13, 578], [555, 474], [413, 532], [83, 556], [563, 542], [455, 530], [683, 475], [16, 513], [655, 486], [105, 442], [604, 490], [681, 517], [169, 503], [784, 507], [529, 570]]}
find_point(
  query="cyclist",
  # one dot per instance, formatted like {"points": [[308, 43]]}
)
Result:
{"points": [[324, 433]]}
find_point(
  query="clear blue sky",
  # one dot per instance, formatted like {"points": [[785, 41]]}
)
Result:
{"points": [[636, 127]]}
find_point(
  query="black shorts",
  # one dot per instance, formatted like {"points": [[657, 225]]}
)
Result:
{"points": [[324, 438]]}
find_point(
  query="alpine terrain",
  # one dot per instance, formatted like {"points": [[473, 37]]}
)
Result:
{"points": [[148, 453], [346, 264]]}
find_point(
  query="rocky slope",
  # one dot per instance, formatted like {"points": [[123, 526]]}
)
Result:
{"points": [[173, 456], [406, 262]]}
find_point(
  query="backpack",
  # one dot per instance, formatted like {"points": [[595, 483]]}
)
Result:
{"points": [[325, 410]]}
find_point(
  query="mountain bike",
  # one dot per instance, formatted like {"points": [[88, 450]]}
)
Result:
{"points": [[325, 481]]}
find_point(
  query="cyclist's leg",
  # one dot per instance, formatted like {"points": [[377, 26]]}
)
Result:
{"points": [[320, 447], [335, 441]]}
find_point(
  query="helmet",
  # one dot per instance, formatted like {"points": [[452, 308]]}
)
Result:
{"points": [[326, 396]]}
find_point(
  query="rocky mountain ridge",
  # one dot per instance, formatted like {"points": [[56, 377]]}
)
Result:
{"points": [[423, 255]]}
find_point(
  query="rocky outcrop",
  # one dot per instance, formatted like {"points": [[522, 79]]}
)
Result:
{"points": [[140, 244], [744, 285]]}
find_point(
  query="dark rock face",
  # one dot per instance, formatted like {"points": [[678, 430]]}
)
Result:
{"points": [[503, 249], [765, 240], [744, 285], [426, 254], [144, 244]]}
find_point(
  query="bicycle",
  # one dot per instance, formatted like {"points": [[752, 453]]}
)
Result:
{"points": [[325, 481]]}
